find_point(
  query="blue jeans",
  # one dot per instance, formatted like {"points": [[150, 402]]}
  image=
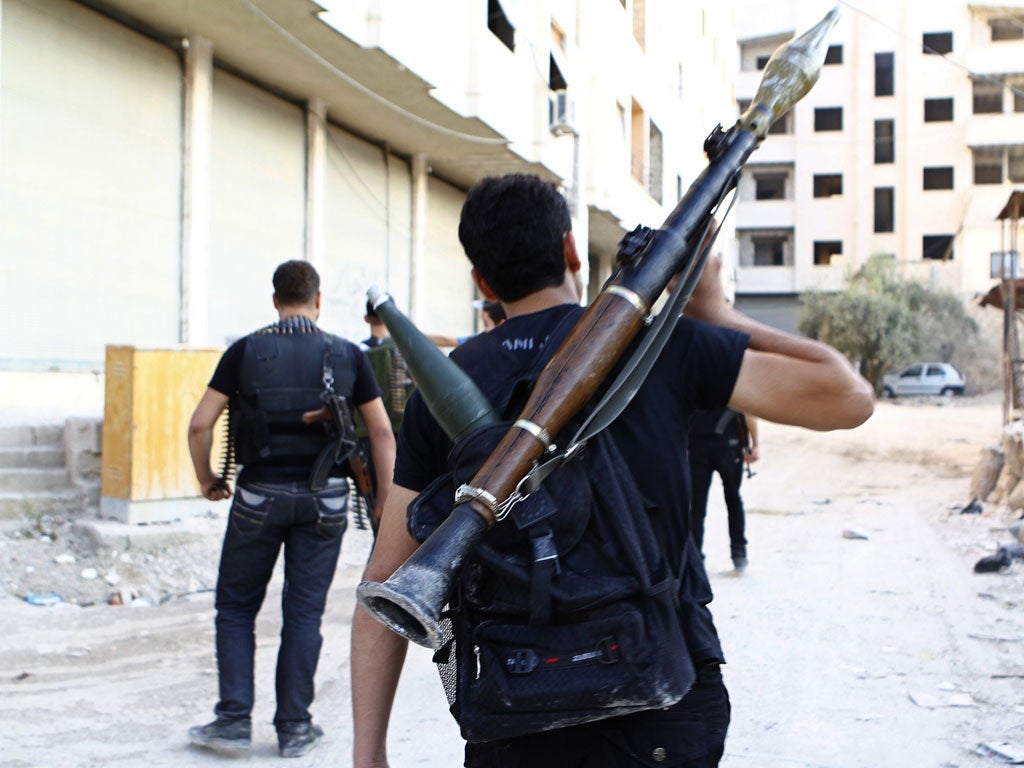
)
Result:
{"points": [[310, 526]]}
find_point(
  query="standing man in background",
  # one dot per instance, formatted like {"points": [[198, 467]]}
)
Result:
{"points": [[396, 384], [721, 441], [275, 382]]}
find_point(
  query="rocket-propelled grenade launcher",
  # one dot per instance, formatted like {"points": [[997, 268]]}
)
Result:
{"points": [[410, 602]]}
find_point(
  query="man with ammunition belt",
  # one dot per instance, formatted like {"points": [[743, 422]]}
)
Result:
{"points": [[289, 388], [516, 231]]}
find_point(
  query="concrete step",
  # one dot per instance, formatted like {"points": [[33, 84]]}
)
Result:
{"points": [[13, 504], [32, 457], [33, 480], [43, 434]]}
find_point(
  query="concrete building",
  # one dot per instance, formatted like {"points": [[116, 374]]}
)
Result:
{"points": [[160, 157], [908, 146]]}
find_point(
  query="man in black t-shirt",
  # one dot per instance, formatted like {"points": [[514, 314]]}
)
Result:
{"points": [[516, 231], [721, 441], [272, 381]]}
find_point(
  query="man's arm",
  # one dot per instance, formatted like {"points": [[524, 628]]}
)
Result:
{"points": [[200, 442], [382, 446], [785, 378], [378, 653]]}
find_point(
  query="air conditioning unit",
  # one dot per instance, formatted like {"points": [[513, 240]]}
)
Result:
{"points": [[561, 114]]}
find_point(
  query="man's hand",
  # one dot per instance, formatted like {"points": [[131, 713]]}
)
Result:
{"points": [[216, 489], [707, 302]]}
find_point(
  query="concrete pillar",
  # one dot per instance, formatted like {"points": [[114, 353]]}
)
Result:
{"points": [[195, 192], [316, 174], [417, 269]]}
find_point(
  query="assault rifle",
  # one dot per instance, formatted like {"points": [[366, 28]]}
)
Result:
{"points": [[337, 414]]}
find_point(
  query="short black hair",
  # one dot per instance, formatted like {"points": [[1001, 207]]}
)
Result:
{"points": [[495, 311], [512, 229], [296, 283]]}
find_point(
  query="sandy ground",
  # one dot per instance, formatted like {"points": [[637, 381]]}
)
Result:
{"points": [[843, 652]]}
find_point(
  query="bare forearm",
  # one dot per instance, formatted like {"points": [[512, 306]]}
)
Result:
{"points": [[382, 446], [200, 445]]}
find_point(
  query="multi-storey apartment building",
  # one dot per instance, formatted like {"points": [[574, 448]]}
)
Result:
{"points": [[909, 145], [160, 157]]}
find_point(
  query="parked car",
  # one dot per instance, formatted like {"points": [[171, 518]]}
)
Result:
{"points": [[924, 379]]}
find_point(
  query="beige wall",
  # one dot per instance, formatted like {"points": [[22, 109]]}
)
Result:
{"points": [[90, 132]]}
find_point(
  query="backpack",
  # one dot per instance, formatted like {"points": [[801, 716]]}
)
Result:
{"points": [[567, 611]]}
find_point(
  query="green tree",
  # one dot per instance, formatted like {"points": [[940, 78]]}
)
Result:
{"points": [[883, 321]]}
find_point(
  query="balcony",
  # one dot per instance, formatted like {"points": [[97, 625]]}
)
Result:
{"points": [[766, 280]]}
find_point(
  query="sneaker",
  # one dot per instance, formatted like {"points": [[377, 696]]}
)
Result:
{"points": [[223, 733], [296, 743]]}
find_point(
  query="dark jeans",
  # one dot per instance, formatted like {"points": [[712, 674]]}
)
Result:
{"points": [[310, 526], [724, 456], [690, 734]]}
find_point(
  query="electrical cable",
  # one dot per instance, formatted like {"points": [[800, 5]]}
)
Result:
{"points": [[369, 93]]}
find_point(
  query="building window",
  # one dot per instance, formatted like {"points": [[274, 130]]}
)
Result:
{"points": [[884, 209], [884, 81], [1017, 83], [640, 22], [828, 118], [828, 184], [762, 61], [1007, 28], [938, 110], [638, 129], [654, 179], [826, 250], [885, 141], [988, 165], [766, 247], [834, 54], [987, 95], [938, 178], [937, 42], [769, 251], [770, 186], [1015, 163], [499, 24], [938, 247]]}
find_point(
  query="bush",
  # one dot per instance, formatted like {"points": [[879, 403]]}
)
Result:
{"points": [[883, 321]]}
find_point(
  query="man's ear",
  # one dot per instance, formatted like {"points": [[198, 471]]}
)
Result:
{"points": [[274, 297], [572, 256], [319, 298], [482, 286]]}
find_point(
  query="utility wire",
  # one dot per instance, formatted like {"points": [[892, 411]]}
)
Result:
{"points": [[974, 75], [362, 88]]}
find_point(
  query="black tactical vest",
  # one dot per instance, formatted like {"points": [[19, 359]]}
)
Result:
{"points": [[282, 377]]}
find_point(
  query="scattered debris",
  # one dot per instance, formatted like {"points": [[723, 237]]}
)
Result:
{"points": [[996, 638], [1003, 558], [22, 676], [64, 558], [1003, 752], [849, 533], [45, 600], [974, 507], [1017, 530], [90, 573]]}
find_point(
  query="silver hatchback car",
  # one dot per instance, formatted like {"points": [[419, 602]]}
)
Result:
{"points": [[924, 379]]}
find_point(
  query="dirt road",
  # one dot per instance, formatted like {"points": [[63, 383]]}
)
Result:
{"points": [[843, 652]]}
